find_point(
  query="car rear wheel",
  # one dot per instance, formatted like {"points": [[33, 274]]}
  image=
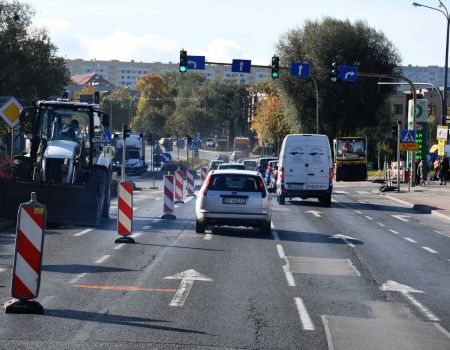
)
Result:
{"points": [[325, 200], [199, 228], [266, 229]]}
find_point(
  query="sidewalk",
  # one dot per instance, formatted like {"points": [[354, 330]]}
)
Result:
{"points": [[433, 199]]}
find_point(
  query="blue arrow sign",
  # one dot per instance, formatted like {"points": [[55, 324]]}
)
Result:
{"points": [[347, 73], [241, 66], [196, 62], [166, 157], [408, 136], [299, 69]]}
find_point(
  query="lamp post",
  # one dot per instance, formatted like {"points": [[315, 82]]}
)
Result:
{"points": [[129, 110], [447, 16]]}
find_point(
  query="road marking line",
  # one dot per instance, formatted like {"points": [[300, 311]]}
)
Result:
{"points": [[188, 199], [432, 251], [135, 208], [362, 202], [304, 316], [401, 217], [2, 270], [410, 240], [380, 224], [358, 212], [102, 259], [393, 231], [421, 307], [83, 232], [157, 198], [76, 278], [289, 276], [208, 237], [119, 246], [442, 234], [275, 235], [146, 227], [362, 192], [136, 235], [280, 251], [340, 192], [369, 218]]}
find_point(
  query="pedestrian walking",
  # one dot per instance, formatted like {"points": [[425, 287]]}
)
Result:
{"points": [[436, 167], [424, 171], [444, 169]]}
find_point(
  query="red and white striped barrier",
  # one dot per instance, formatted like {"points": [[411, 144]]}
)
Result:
{"points": [[125, 212], [31, 220], [204, 172], [179, 186], [169, 189], [190, 182]]}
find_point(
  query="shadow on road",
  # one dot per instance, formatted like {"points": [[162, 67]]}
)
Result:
{"points": [[78, 268]]}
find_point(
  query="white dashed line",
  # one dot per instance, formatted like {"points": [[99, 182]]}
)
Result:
{"points": [[410, 240], [119, 246], [289, 276], [380, 224], [362, 202], [304, 316], [280, 251], [440, 233], [146, 227], [208, 237], [358, 212], [369, 218], [428, 249], [102, 259], [135, 208], [83, 232], [158, 198], [78, 277], [394, 232], [275, 235], [362, 192]]}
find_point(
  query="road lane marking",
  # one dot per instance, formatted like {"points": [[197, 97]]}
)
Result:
{"points": [[362, 192], [187, 278], [146, 227], [275, 235], [428, 249], [358, 212], [78, 277], [2, 270], [157, 198], [362, 202], [135, 208], [410, 240], [442, 234], [393, 231], [124, 288], [289, 276], [102, 259], [281, 252], [208, 237], [83, 232], [369, 218], [340, 192], [119, 246], [304, 315], [273, 225], [380, 224], [401, 217], [188, 199]]}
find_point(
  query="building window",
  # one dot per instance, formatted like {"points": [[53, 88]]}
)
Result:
{"points": [[398, 109]]}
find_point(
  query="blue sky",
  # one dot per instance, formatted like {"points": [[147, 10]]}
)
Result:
{"points": [[151, 31]]}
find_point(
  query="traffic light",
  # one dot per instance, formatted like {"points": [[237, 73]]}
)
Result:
{"points": [[183, 61], [97, 97], [275, 67], [396, 127], [125, 131], [150, 139], [335, 72]]}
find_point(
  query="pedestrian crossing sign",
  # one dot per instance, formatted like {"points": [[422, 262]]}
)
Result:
{"points": [[105, 137], [408, 136]]}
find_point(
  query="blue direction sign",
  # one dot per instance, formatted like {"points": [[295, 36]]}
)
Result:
{"points": [[166, 157], [299, 69], [196, 62], [347, 73], [241, 66], [408, 136]]}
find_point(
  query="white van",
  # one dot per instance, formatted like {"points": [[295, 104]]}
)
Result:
{"points": [[305, 168]]}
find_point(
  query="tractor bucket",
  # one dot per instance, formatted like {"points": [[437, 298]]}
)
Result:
{"points": [[66, 204]]}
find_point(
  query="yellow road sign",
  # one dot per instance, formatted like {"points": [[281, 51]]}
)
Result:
{"points": [[10, 112], [441, 151], [409, 146], [442, 132]]}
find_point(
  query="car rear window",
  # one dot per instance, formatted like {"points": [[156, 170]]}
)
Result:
{"points": [[235, 182], [232, 166]]}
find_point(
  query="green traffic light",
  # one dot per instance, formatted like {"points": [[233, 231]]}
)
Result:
{"points": [[334, 79], [183, 69], [275, 74]]}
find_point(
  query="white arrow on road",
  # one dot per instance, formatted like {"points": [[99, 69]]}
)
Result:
{"points": [[315, 213], [401, 217], [349, 74], [241, 65], [187, 281], [344, 238], [194, 63], [392, 286]]}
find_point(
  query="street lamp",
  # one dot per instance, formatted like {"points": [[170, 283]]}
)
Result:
{"points": [[447, 16]]}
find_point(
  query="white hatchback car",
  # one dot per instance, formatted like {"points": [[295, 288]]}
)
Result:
{"points": [[233, 198]]}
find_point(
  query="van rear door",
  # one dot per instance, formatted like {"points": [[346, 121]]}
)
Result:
{"points": [[318, 163], [295, 162]]}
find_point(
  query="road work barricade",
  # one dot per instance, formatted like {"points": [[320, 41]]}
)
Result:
{"points": [[31, 220], [190, 182], [169, 206], [125, 212], [179, 186]]}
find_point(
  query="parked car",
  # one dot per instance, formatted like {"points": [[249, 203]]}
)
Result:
{"points": [[231, 166], [262, 164], [223, 157], [214, 164], [250, 164], [233, 198]]}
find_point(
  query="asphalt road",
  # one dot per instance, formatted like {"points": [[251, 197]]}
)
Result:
{"points": [[365, 273]]}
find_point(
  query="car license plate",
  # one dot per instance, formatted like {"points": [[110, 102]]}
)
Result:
{"points": [[296, 187], [233, 200]]}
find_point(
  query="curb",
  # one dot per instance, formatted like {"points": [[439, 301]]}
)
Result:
{"points": [[418, 207]]}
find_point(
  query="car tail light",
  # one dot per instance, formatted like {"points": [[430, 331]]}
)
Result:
{"points": [[263, 189], [281, 173], [204, 190], [331, 174]]}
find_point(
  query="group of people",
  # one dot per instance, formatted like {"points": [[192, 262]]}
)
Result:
{"points": [[440, 168]]}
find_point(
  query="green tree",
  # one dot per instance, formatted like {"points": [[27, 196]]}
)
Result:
{"points": [[346, 108], [120, 105]]}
